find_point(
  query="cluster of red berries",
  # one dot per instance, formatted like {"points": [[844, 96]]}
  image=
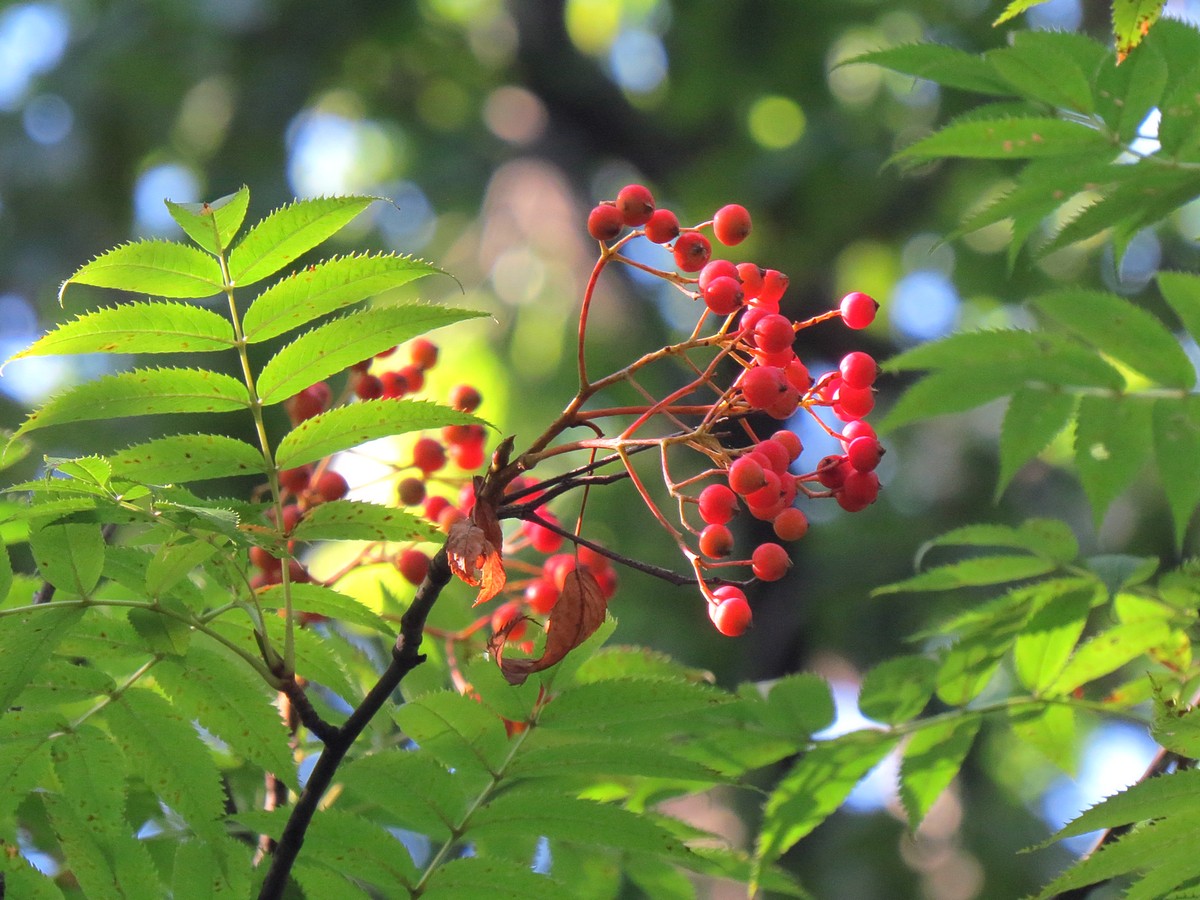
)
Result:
{"points": [[770, 378]]}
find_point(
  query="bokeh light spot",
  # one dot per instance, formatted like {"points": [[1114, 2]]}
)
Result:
{"points": [[47, 119], [924, 306], [168, 181], [775, 122], [33, 37], [592, 24], [515, 115], [638, 61]]}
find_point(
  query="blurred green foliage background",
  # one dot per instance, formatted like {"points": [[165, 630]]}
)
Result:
{"points": [[493, 127]]}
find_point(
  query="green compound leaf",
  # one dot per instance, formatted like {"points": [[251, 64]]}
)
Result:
{"points": [[897, 689], [162, 268], [570, 761], [947, 392], [633, 707], [1015, 138], [106, 866], [798, 705], [978, 572], [26, 644], [1176, 449], [411, 787], [142, 392], [21, 879], [458, 732], [948, 66], [1118, 329], [69, 555], [1049, 538], [815, 787], [231, 702], [336, 345], [327, 287], [1181, 290], [1042, 649], [1112, 441], [1125, 94], [212, 225], [166, 751], [161, 327], [91, 770], [348, 426], [278, 239], [1014, 9], [1179, 130], [1051, 731], [1035, 416], [1108, 651], [187, 457], [354, 520], [1153, 798], [1042, 66], [932, 757], [324, 601], [969, 664], [1132, 20], [488, 878]]}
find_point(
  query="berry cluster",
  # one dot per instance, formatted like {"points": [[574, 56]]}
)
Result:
{"points": [[753, 370]]}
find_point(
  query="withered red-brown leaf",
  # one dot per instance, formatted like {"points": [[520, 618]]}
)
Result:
{"points": [[577, 614], [473, 550]]}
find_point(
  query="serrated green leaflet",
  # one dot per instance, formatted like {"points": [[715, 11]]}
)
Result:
{"points": [[932, 757], [231, 702], [1112, 442], [1176, 449], [582, 761], [1015, 8], [162, 268], [339, 344], [278, 239], [327, 287], [1131, 21], [166, 751], [1150, 799], [1038, 69], [1179, 129], [1016, 138], [1118, 329], [1048, 538], [1108, 651], [1181, 290], [458, 732], [977, 572], [188, 457], [1177, 729], [486, 878], [969, 664], [1051, 731], [349, 426], [316, 598], [354, 520], [1043, 647], [69, 555], [414, 790], [635, 705], [212, 225], [91, 770], [142, 392], [798, 705], [107, 867], [161, 327], [26, 642], [897, 689], [946, 65], [1035, 416], [1125, 94], [947, 392]]}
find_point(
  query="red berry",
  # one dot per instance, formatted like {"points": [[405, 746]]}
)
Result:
{"points": [[636, 204], [330, 485], [858, 369], [662, 227], [784, 405], [731, 224], [605, 222], [858, 310], [558, 567], [856, 429], [858, 491], [790, 441], [773, 333], [766, 496], [413, 564], [716, 541], [775, 283], [434, 507], [831, 471], [423, 353], [368, 387], [692, 250], [853, 403], [798, 376], [770, 562], [541, 538], [723, 295], [541, 595], [791, 524], [411, 491], [864, 453], [717, 504], [295, 480], [746, 475], [262, 560], [394, 385], [465, 398], [731, 613], [414, 377], [763, 385], [751, 275], [310, 402], [714, 269], [429, 455], [773, 455], [468, 456], [509, 615]]}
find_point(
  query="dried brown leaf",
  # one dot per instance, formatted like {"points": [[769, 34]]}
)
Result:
{"points": [[578, 613], [473, 550]]}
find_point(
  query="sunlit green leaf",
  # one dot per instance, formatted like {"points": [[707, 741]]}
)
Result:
{"points": [[416, 792], [943, 64], [212, 225], [188, 457], [1041, 66], [1035, 416], [26, 642], [1043, 647], [278, 239], [976, 572], [932, 757], [356, 520], [897, 689], [162, 268], [326, 287], [1015, 8], [325, 601], [969, 664], [1125, 94], [1112, 441], [1051, 731], [1132, 20], [1018, 138], [1179, 129], [457, 731], [489, 878], [68, 555], [1108, 651]]}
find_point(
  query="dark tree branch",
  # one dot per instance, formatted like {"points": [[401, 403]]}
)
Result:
{"points": [[308, 715], [405, 658]]}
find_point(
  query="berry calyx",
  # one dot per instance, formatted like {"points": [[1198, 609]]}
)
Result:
{"points": [[731, 224], [636, 204], [858, 310], [692, 250], [731, 611], [605, 222]]}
